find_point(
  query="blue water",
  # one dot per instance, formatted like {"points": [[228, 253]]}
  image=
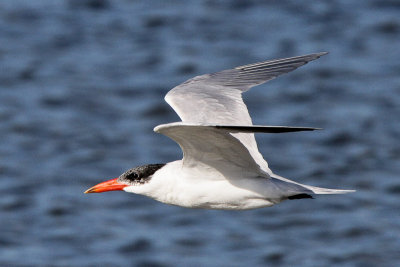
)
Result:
{"points": [[81, 88]]}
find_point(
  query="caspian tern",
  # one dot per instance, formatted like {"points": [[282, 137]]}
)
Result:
{"points": [[221, 166]]}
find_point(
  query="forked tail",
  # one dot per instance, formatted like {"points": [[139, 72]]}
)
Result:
{"points": [[306, 189], [325, 191]]}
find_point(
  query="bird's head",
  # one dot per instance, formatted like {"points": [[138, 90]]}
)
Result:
{"points": [[127, 181]]}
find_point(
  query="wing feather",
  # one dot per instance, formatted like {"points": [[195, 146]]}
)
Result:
{"points": [[216, 98], [263, 129], [215, 146], [209, 146]]}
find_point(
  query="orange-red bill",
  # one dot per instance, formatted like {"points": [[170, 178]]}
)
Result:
{"points": [[110, 185]]}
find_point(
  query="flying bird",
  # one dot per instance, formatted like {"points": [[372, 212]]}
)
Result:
{"points": [[221, 166]]}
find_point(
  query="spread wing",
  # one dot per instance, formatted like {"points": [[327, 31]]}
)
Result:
{"points": [[216, 98], [215, 146]]}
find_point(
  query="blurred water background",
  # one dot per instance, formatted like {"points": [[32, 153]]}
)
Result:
{"points": [[81, 88]]}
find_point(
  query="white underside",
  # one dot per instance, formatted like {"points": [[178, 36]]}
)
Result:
{"points": [[208, 189], [222, 169]]}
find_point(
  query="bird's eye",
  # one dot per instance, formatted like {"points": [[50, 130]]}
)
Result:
{"points": [[132, 176]]}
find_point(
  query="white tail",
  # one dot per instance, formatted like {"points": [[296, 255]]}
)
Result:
{"points": [[313, 189], [321, 190]]}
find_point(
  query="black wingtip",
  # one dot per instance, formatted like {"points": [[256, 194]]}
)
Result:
{"points": [[300, 196], [264, 129], [299, 129]]}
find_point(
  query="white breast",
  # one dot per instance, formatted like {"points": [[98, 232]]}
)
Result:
{"points": [[185, 187]]}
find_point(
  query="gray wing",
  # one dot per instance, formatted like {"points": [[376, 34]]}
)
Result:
{"points": [[217, 98], [207, 146]]}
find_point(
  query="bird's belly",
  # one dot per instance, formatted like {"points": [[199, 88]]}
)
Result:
{"points": [[214, 195]]}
